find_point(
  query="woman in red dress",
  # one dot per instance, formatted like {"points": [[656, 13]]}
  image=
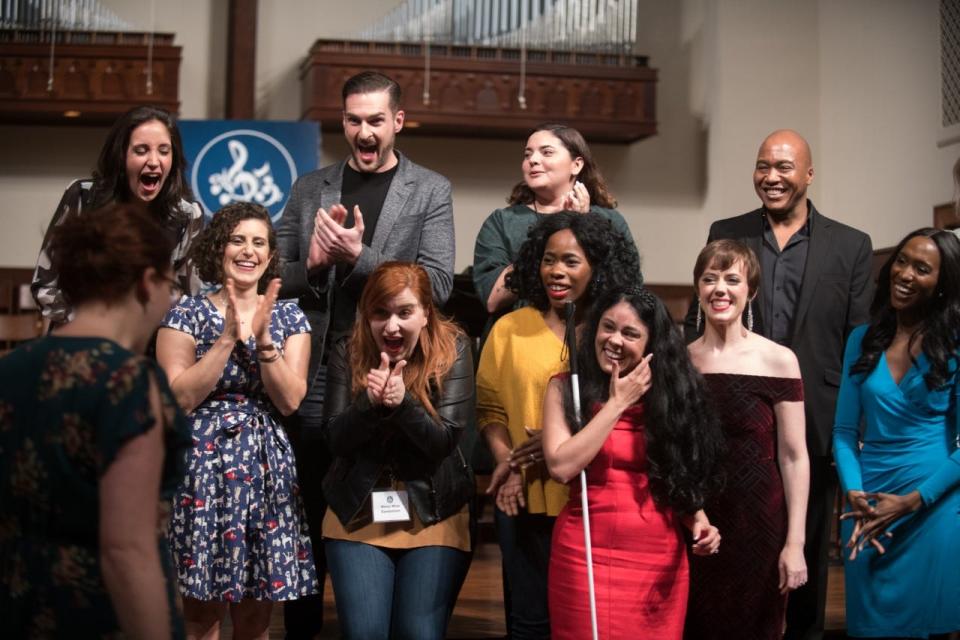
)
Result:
{"points": [[648, 450]]}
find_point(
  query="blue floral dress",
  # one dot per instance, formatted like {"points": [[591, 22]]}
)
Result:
{"points": [[238, 529], [68, 405]]}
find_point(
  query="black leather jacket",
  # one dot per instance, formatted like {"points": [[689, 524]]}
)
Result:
{"points": [[369, 442]]}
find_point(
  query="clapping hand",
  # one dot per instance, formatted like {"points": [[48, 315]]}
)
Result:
{"points": [[318, 257], [231, 325], [263, 313], [334, 242]]}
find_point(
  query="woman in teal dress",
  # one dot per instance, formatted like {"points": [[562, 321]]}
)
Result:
{"points": [[902, 572], [92, 445]]}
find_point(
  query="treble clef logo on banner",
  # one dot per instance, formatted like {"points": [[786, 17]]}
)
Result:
{"points": [[242, 166], [239, 185]]}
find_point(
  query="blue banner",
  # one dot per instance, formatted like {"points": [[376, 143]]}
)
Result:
{"points": [[248, 160]]}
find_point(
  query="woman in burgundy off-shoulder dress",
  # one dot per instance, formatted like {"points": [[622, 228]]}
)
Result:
{"points": [[648, 450], [757, 393]]}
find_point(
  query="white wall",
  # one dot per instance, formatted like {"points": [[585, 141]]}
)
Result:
{"points": [[879, 166], [859, 78]]}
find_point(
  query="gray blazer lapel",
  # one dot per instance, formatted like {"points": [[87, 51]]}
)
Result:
{"points": [[821, 247], [330, 194], [393, 204]]}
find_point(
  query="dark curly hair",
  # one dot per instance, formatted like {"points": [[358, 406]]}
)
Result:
{"points": [[103, 255], [612, 258], [573, 141], [684, 439], [206, 252], [941, 313], [110, 177]]}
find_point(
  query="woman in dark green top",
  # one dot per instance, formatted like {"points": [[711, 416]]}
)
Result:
{"points": [[92, 444], [559, 174]]}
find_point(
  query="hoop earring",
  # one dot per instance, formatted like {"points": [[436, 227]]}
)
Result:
{"points": [[750, 315], [699, 315]]}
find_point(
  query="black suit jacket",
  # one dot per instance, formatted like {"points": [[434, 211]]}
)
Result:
{"points": [[834, 297]]}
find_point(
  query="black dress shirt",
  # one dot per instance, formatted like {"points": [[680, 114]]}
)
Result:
{"points": [[781, 274]]}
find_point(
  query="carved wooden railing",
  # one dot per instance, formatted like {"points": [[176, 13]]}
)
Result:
{"points": [[473, 90], [97, 75]]}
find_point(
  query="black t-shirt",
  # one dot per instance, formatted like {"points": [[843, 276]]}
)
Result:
{"points": [[368, 190]]}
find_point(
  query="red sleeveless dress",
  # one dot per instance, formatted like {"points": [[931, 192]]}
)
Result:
{"points": [[639, 554]]}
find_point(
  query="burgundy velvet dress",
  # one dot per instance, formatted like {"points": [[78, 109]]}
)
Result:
{"points": [[639, 554], [734, 594]]}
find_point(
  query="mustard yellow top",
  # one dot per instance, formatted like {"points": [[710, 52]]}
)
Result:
{"points": [[519, 358]]}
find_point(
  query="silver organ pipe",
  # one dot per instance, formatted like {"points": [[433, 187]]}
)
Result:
{"points": [[573, 25], [62, 15]]}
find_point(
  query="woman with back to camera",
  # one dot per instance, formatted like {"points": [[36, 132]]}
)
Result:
{"points": [[141, 164], [649, 448], [92, 444], [399, 395], [755, 388], [568, 257], [559, 174], [237, 361], [901, 474]]}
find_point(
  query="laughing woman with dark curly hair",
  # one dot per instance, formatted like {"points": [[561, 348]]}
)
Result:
{"points": [[568, 257], [237, 361]]}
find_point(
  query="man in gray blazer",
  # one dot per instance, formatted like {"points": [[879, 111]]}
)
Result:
{"points": [[338, 225]]}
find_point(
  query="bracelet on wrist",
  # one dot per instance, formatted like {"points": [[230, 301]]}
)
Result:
{"points": [[269, 359]]}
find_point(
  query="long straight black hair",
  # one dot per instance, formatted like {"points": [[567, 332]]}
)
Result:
{"points": [[940, 328]]}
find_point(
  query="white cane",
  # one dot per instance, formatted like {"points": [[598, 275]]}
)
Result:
{"points": [[571, 340]]}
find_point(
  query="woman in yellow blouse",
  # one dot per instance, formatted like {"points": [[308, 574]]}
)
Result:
{"points": [[568, 257]]}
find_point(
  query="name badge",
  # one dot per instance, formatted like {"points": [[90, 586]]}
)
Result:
{"points": [[390, 506]]}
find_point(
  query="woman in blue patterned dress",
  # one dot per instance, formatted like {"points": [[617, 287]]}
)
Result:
{"points": [[237, 361], [92, 445], [902, 574]]}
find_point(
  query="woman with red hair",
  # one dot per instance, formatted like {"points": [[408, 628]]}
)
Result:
{"points": [[399, 394]]}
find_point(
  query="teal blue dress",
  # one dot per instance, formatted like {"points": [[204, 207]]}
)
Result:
{"points": [[909, 443]]}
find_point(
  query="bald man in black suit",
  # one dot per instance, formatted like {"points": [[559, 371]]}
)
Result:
{"points": [[815, 287]]}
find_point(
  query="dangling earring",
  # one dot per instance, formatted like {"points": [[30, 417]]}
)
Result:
{"points": [[750, 315], [699, 315]]}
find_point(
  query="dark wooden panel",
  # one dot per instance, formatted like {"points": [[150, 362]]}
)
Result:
{"points": [[96, 75], [241, 59], [473, 90]]}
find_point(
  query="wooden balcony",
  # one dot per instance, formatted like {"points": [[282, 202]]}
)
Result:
{"points": [[97, 75], [473, 90]]}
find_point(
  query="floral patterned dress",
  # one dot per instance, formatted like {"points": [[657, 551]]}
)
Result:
{"points": [[239, 530], [67, 407]]}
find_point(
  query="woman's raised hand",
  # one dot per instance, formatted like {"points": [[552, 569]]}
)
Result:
{"points": [[231, 325], [394, 389], [385, 387], [263, 313], [577, 199], [627, 390]]}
